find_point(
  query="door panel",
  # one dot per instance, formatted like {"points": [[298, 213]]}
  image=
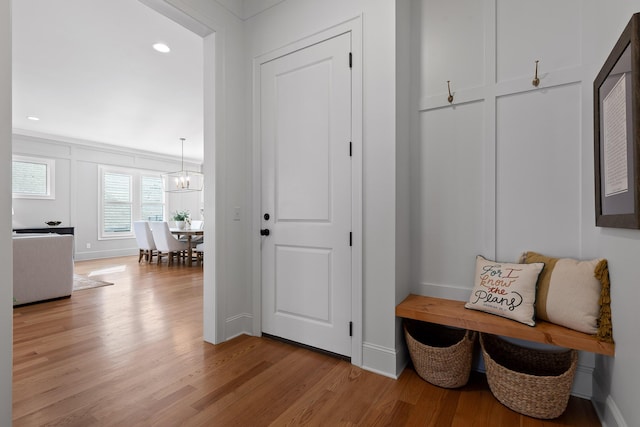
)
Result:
{"points": [[302, 146], [303, 292], [306, 190]]}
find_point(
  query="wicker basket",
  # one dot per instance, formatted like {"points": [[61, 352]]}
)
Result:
{"points": [[440, 355], [533, 382]]}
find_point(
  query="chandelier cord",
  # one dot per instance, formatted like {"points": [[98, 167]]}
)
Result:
{"points": [[182, 139]]}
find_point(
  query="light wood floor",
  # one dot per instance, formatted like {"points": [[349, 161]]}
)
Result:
{"points": [[132, 354]]}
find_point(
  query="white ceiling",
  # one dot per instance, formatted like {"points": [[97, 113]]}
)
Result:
{"points": [[87, 70], [245, 9]]}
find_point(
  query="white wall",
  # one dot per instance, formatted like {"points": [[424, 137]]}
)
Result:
{"points": [[404, 121], [509, 167], [293, 21], [227, 159], [617, 380], [6, 245], [77, 195]]}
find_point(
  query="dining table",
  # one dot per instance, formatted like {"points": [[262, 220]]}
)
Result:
{"points": [[188, 233]]}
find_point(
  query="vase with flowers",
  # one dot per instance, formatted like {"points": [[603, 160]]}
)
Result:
{"points": [[182, 219]]}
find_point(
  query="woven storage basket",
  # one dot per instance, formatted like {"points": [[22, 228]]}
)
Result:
{"points": [[533, 382], [440, 355]]}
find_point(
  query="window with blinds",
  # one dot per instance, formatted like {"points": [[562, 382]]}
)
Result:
{"points": [[151, 190], [117, 203], [128, 195], [32, 178]]}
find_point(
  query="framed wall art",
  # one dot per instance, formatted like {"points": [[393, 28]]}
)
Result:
{"points": [[617, 133]]}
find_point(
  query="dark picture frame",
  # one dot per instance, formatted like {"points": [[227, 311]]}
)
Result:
{"points": [[616, 91]]}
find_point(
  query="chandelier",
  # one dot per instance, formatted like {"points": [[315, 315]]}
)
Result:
{"points": [[183, 181]]}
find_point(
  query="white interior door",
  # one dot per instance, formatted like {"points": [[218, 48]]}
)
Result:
{"points": [[306, 195]]}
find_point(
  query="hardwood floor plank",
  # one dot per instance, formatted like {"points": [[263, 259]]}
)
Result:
{"points": [[132, 354], [317, 403], [274, 391], [475, 405], [356, 395], [381, 410], [212, 397]]}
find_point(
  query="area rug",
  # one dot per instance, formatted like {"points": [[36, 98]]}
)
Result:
{"points": [[81, 282]]}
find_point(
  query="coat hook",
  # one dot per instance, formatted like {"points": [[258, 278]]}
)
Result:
{"points": [[450, 97], [536, 80]]}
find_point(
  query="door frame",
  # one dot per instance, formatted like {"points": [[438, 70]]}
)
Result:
{"points": [[354, 27], [215, 137]]}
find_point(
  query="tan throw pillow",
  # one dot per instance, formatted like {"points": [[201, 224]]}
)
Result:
{"points": [[569, 292], [508, 290]]}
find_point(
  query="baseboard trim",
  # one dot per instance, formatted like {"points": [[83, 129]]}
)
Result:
{"points": [[86, 256], [380, 360], [582, 383], [240, 324], [607, 410], [402, 356]]}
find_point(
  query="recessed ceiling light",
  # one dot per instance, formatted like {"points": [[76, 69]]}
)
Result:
{"points": [[34, 118], [161, 47]]}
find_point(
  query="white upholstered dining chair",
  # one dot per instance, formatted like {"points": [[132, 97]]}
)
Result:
{"points": [[165, 242], [145, 241], [199, 251]]}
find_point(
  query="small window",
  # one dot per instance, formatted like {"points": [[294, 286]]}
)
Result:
{"points": [[33, 178]]}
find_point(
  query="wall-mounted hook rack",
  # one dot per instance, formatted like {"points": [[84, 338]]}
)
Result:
{"points": [[536, 80]]}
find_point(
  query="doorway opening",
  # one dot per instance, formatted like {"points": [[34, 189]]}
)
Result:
{"points": [[74, 203]]}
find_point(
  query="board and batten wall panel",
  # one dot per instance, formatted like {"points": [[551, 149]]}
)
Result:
{"points": [[449, 28], [524, 139], [544, 30], [516, 182], [448, 159], [450, 185], [538, 173]]}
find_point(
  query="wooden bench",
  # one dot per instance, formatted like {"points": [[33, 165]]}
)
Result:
{"points": [[452, 313]]}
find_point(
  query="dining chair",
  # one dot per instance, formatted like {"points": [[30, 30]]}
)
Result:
{"points": [[196, 225], [199, 251], [165, 242], [145, 241]]}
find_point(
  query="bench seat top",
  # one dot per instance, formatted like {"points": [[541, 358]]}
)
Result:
{"points": [[452, 313]]}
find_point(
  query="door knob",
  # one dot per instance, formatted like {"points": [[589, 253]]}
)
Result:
{"points": [[264, 232]]}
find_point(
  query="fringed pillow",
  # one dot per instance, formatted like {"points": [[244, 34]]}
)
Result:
{"points": [[574, 294]]}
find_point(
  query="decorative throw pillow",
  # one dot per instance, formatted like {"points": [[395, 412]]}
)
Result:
{"points": [[508, 290], [573, 293]]}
